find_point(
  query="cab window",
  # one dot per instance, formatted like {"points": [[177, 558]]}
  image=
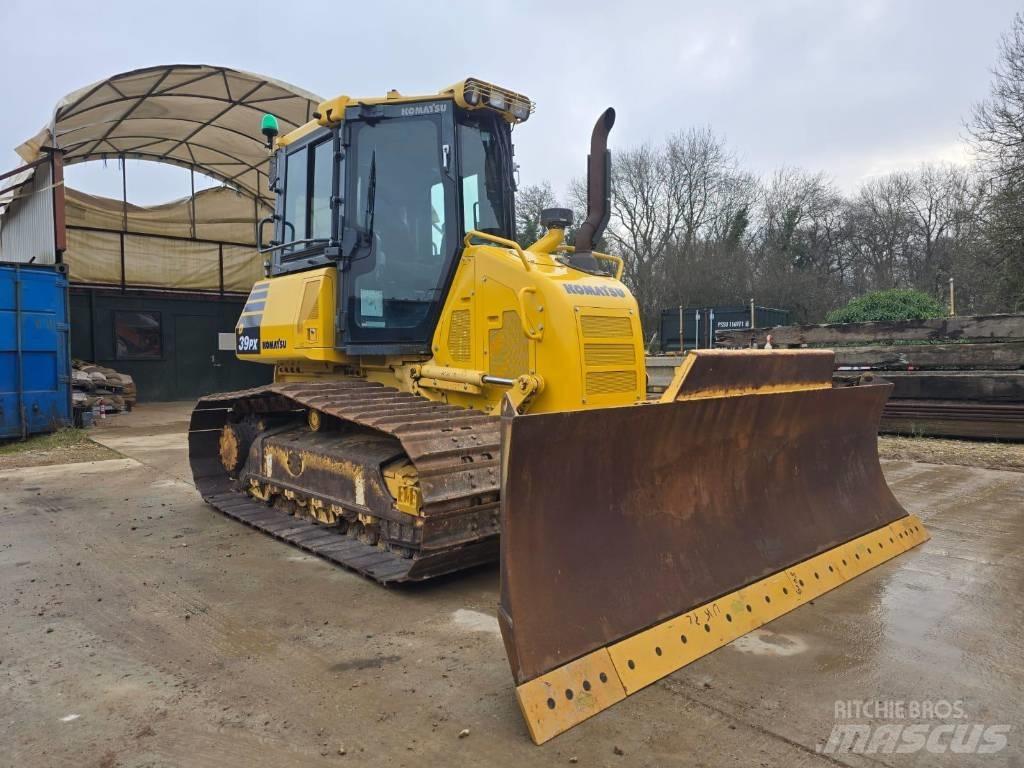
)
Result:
{"points": [[396, 201], [309, 173], [296, 196], [322, 157], [484, 177]]}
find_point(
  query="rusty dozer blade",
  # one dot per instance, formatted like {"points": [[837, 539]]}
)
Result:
{"points": [[636, 539]]}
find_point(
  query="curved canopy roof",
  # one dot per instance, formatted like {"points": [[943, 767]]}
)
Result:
{"points": [[195, 116]]}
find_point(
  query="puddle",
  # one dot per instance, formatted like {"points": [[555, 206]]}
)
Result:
{"points": [[764, 642]]}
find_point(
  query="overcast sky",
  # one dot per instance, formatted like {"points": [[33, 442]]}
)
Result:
{"points": [[851, 88]]}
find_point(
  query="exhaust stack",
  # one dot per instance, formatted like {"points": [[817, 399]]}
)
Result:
{"points": [[598, 184]]}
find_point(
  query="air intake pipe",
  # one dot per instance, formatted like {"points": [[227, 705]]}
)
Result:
{"points": [[599, 190]]}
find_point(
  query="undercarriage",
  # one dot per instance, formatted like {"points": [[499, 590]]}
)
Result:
{"points": [[380, 481]]}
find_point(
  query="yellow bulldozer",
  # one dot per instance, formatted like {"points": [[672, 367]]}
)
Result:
{"points": [[444, 396]]}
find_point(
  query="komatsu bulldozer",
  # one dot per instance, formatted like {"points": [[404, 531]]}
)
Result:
{"points": [[439, 388]]}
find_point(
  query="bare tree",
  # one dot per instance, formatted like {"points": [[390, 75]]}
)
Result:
{"points": [[530, 201], [695, 229], [939, 199], [705, 181], [882, 229], [646, 214], [997, 125], [796, 248], [997, 133]]}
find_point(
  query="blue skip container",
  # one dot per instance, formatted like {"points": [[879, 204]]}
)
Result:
{"points": [[35, 360]]}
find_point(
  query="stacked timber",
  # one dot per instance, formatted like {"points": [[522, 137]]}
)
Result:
{"points": [[101, 390], [952, 376]]}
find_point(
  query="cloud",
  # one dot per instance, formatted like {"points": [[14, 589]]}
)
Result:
{"points": [[847, 87], [908, 159]]}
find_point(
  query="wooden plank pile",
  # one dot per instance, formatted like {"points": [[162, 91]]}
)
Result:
{"points": [[951, 376], [101, 390]]}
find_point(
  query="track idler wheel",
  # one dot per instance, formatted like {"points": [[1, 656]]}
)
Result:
{"points": [[235, 440]]}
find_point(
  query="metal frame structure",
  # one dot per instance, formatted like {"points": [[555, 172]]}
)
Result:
{"points": [[193, 116], [199, 117]]}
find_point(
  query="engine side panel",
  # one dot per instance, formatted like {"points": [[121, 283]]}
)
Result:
{"points": [[579, 332], [290, 318]]}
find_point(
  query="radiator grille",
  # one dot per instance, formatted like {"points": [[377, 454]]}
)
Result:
{"points": [[459, 336], [310, 309], [608, 354], [609, 357], [508, 348], [610, 382], [598, 326]]}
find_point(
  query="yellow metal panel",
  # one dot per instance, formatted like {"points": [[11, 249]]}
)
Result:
{"points": [[295, 313], [459, 337], [660, 650], [567, 696], [522, 307]]}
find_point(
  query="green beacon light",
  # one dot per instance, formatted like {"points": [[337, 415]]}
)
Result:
{"points": [[269, 128]]}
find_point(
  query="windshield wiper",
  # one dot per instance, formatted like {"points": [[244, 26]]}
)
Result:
{"points": [[371, 195]]}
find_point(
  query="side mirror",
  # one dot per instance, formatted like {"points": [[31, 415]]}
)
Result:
{"points": [[270, 129]]}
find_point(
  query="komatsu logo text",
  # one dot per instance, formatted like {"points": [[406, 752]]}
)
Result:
{"points": [[594, 290], [424, 109]]}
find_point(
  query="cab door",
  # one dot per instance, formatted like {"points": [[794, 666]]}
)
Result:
{"points": [[401, 223]]}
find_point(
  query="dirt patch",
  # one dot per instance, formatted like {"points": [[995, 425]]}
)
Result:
{"points": [[67, 446], [375, 662], [967, 453]]}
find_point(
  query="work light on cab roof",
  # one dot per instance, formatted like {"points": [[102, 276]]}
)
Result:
{"points": [[473, 94]]}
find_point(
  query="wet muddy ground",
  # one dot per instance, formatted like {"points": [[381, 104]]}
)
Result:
{"points": [[140, 628]]}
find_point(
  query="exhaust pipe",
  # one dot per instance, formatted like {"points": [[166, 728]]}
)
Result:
{"points": [[599, 189]]}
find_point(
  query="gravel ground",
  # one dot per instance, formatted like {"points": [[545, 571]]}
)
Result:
{"points": [[68, 446], [966, 453]]}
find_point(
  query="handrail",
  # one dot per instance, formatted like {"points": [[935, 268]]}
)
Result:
{"points": [[532, 334], [620, 263], [512, 244], [308, 242]]}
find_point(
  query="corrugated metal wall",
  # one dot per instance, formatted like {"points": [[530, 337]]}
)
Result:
{"points": [[26, 229], [35, 371]]}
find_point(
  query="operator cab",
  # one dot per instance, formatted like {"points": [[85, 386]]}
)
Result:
{"points": [[387, 194]]}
